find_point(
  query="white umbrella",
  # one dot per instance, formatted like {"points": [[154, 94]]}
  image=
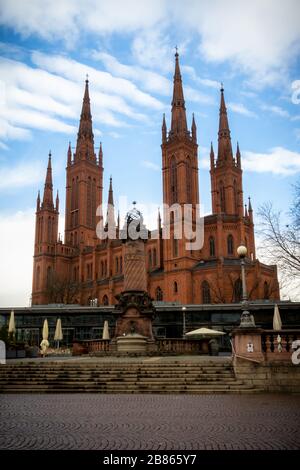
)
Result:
{"points": [[58, 335], [12, 325], [277, 323], [205, 332], [105, 334], [45, 329]]}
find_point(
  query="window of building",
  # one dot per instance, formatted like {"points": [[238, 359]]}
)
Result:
{"points": [[117, 265], [159, 294], [266, 291], [212, 250], [206, 298], [49, 276], [121, 264], [230, 245], [150, 258], [235, 195], [222, 197], [154, 257], [175, 247], [173, 185], [38, 273], [105, 300], [175, 287], [238, 290], [188, 180]]}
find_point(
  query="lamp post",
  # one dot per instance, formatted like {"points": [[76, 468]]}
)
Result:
{"points": [[183, 317], [247, 320]]}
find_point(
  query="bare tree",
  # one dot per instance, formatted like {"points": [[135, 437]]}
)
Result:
{"points": [[62, 290], [281, 242]]}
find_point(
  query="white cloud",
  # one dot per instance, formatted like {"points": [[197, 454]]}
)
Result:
{"points": [[197, 96], [240, 108], [278, 160], [189, 70], [102, 81], [50, 96], [150, 165], [66, 19], [22, 174], [277, 110], [261, 37], [17, 238], [148, 80]]}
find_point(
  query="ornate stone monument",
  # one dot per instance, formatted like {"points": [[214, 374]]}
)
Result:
{"points": [[134, 310]]}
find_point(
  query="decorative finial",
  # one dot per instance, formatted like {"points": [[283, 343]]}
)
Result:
{"points": [[87, 78], [222, 87], [176, 53], [50, 154], [134, 203]]}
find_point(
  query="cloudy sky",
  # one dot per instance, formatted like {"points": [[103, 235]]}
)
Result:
{"points": [[127, 49]]}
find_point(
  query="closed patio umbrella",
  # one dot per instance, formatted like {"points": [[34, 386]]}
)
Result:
{"points": [[12, 325], [277, 323], [58, 335], [205, 332], [105, 334], [45, 343]]}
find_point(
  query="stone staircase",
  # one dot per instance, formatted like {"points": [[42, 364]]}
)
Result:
{"points": [[113, 377]]}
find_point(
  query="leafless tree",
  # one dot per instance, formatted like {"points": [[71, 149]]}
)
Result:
{"points": [[281, 242], [62, 290]]}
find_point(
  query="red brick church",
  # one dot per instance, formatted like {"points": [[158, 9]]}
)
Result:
{"points": [[84, 267]]}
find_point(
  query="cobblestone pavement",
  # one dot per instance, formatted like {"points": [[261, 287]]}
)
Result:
{"points": [[95, 421]]}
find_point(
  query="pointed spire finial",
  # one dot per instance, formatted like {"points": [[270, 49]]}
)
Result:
{"points": [[194, 130], [85, 136], [48, 188], [178, 123], [224, 139], [249, 204]]}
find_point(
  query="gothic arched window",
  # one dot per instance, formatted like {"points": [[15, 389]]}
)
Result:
{"points": [[230, 245], [266, 291], [89, 202], [105, 300], [154, 259], [206, 298], [238, 290], [173, 185], [158, 294], [175, 247], [212, 251], [49, 276], [150, 258], [188, 174], [235, 195], [175, 287], [222, 197], [38, 272]]}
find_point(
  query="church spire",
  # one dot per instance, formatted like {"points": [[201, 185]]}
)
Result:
{"points": [[85, 136], [212, 156], [224, 140], [57, 202], [69, 154], [38, 201], [100, 155], [164, 130], [110, 215], [178, 124], [194, 130], [238, 156], [48, 188]]}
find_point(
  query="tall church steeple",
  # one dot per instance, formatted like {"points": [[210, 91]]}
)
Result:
{"points": [[84, 182], [224, 139], [178, 122], [226, 173], [85, 136], [48, 188]]}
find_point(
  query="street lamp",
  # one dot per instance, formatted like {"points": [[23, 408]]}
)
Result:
{"points": [[247, 320], [183, 316]]}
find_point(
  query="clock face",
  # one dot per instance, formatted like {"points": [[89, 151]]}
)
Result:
{"points": [[134, 214]]}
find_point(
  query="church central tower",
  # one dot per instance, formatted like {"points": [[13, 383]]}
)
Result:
{"points": [[180, 180], [84, 182]]}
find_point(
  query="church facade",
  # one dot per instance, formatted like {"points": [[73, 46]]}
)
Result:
{"points": [[84, 267]]}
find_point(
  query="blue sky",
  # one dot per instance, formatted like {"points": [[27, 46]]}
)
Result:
{"points": [[127, 49]]}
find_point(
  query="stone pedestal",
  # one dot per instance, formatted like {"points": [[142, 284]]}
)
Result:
{"points": [[132, 343], [247, 343]]}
